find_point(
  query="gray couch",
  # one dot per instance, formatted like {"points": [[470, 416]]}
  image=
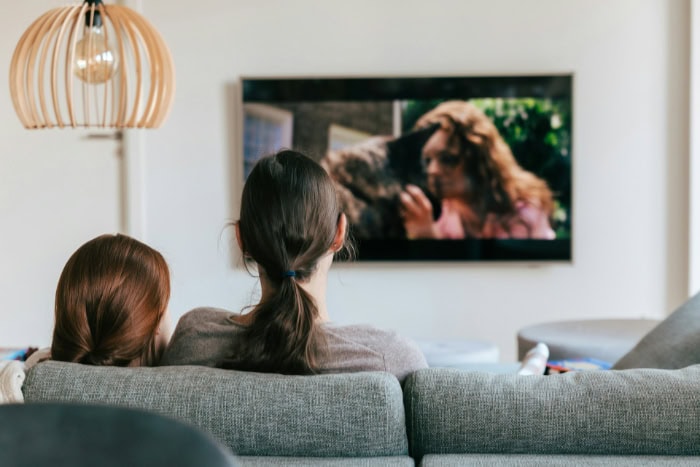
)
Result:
{"points": [[628, 417], [441, 417], [353, 419]]}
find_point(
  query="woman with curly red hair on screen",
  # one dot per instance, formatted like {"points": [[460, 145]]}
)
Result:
{"points": [[484, 192]]}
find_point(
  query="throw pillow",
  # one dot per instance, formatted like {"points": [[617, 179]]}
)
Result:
{"points": [[673, 343]]}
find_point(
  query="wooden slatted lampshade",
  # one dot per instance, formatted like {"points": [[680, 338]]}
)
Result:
{"points": [[92, 65]]}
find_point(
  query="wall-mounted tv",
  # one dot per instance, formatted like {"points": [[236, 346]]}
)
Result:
{"points": [[474, 168]]}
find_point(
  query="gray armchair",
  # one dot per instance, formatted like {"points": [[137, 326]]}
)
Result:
{"points": [[51, 434]]}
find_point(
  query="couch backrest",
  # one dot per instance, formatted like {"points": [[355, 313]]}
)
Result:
{"points": [[644, 412], [339, 415]]}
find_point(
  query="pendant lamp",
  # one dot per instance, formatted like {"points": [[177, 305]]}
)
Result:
{"points": [[92, 65]]}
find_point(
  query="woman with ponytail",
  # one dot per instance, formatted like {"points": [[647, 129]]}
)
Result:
{"points": [[291, 226], [111, 303]]}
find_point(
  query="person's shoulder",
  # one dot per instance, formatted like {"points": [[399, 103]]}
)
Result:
{"points": [[398, 354], [362, 330], [201, 337], [530, 209], [373, 337], [206, 314]]}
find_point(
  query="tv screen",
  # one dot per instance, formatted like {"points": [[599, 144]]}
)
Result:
{"points": [[474, 168]]}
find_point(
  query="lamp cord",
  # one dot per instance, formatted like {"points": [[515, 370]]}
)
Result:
{"points": [[93, 19]]}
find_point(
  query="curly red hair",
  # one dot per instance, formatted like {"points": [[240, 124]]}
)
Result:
{"points": [[497, 183]]}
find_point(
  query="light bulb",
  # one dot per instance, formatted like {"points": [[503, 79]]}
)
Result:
{"points": [[95, 61]]}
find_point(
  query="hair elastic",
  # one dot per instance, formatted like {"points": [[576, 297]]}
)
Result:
{"points": [[290, 273]]}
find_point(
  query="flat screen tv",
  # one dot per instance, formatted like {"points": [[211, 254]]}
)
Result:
{"points": [[470, 168]]}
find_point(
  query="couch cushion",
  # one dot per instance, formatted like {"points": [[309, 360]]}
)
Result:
{"points": [[397, 461], [673, 343], [338, 415], [523, 460], [655, 412]]}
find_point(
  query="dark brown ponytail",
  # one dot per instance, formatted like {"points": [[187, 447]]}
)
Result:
{"points": [[283, 338], [289, 219]]}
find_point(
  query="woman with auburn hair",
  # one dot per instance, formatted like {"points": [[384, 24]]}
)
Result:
{"points": [[111, 304], [291, 226], [483, 190]]}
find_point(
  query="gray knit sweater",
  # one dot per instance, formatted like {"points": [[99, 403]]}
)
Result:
{"points": [[205, 336]]}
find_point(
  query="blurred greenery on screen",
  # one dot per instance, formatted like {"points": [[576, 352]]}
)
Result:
{"points": [[538, 132]]}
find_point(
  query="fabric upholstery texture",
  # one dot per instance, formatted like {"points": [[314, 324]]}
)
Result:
{"points": [[253, 414], [524, 460], [673, 343], [631, 412], [398, 461]]}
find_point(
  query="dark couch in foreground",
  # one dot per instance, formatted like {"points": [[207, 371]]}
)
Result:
{"points": [[79, 435], [589, 418], [442, 417]]}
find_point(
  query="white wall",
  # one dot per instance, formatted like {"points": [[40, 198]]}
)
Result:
{"points": [[630, 60], [57, 190], [694, 152]]}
